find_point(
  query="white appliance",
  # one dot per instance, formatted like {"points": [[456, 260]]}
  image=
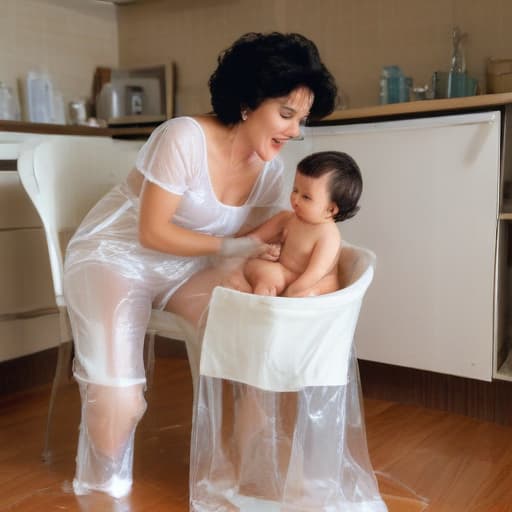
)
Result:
{"points": [[429, 211], [130, 100]]}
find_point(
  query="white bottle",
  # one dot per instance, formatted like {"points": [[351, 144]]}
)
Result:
{"points": [[39, 98]]}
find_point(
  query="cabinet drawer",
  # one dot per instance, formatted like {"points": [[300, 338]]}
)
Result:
{"points": [[21, 337], [16, 209], [25, 277]]}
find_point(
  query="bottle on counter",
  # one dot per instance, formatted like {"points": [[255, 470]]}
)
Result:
{"points": [[459, 83], [394, 85]]}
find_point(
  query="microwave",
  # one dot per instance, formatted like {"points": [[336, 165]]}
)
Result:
{"points": [[137, 96]]}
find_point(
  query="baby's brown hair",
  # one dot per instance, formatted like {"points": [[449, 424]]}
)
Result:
{"points": [[345, 184]]}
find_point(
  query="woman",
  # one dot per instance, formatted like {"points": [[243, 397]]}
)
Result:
{"points": [[198, 182]]}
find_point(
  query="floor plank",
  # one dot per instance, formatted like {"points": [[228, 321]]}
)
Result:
{"points": [[453, 463]]}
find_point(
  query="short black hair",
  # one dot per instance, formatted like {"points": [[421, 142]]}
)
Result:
{"points": [[346, 182], [259, 66]]}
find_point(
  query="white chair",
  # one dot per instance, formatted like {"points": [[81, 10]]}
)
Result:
{"points": [[65, 176]]}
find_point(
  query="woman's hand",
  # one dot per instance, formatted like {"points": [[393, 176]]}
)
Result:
{"points": [[243, 247]]}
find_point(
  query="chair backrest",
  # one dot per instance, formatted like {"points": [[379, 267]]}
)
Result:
{"points": [[64, 176]]}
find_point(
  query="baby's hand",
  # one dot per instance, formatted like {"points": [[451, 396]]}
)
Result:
{"points": [[272, 253]]}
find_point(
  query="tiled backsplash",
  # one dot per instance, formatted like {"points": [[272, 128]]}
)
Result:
{"points": [[66, 38], [356, 38], [69, 38]]}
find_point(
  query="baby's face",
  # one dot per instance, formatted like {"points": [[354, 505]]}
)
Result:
{"points": [[310, 199]]}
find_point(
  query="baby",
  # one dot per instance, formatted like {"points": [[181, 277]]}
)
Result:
{"points": [[326, 190]]}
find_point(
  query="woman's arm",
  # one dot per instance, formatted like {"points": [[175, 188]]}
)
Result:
{"points": [[157, 232]]}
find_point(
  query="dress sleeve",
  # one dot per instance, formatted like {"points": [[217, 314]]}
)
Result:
{"points": [[171, 156]]}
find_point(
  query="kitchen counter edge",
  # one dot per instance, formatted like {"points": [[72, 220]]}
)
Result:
{"points": [[409, 108], [423, 107], [65, 129]]}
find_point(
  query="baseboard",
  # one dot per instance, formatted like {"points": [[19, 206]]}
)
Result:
{"points": [[487, 401], [38, 369], [28, 371]]}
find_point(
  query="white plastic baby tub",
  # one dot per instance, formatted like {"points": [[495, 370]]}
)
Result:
{"points": [[278, 423]]}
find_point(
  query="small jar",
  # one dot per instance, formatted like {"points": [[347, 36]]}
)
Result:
{"points": [[9, 106], [77, 110]]}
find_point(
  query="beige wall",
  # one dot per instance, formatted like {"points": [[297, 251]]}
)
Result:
{"points": [[356, 37], [67, 38]]}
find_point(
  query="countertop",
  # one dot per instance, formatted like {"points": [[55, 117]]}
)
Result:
{"points": [[421, 107], [65, 129], [351, 115]]}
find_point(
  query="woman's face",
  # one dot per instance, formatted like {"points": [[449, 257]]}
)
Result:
{"points": [[276, 121]]}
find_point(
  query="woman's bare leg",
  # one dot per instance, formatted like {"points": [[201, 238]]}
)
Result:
{"points": [[237, 281], [191, 300], [109, 314]]}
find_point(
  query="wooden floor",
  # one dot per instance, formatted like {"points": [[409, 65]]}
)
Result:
{"points": [[453, 463]]}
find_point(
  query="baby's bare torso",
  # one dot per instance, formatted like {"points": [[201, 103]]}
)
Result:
{"points": [[299, 240]]}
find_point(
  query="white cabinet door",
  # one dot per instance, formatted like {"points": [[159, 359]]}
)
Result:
{"points": [[429, 211]]}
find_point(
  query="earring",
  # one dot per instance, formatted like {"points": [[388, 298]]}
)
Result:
{"points": [[243, 114]]}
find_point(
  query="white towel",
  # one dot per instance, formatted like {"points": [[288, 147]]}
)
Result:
{"points": [[282, 344]]}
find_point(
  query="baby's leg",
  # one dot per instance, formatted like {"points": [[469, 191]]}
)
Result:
{"points": [[109, 313], [328, 284], [267, 277]]}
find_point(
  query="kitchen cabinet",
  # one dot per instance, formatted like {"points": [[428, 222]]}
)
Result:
{"points": [[436, 209], [28, 316], [29, 321], [503, 350], [429, 211]]}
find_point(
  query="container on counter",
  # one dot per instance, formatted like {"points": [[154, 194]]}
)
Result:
{"points": [[395, 87], [9, 105]]}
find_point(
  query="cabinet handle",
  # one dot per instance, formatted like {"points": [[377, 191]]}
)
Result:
{"points": [[24, 315]]}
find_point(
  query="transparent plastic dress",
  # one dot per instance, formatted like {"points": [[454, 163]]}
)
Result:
{"points": [[112, 283], [278, 423]]}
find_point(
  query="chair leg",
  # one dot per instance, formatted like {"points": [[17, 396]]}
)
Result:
{"points": [[65, 356], [150, 358]]}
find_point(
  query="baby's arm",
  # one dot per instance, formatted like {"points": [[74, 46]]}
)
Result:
{"points": [[272, 229], [322, 260], [271, 232]]}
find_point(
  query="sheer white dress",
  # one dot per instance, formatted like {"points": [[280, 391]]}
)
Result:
{"points": [[112, 283]]}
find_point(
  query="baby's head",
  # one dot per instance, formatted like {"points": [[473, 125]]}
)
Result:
{"points": [[345, 182]]}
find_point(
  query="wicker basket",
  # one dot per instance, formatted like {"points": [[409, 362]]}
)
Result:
{"points": [[499, 75]]}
